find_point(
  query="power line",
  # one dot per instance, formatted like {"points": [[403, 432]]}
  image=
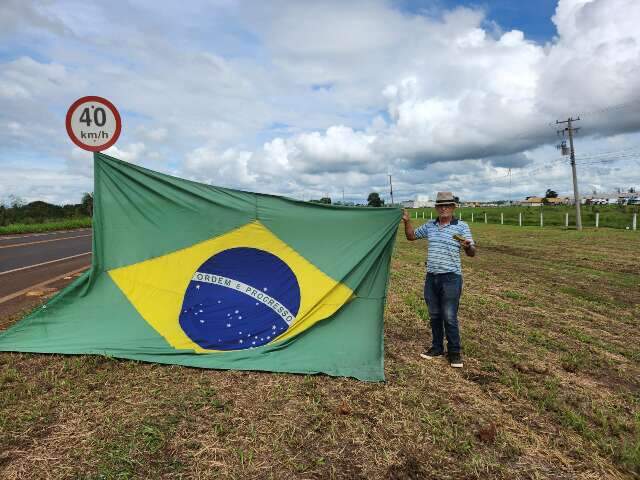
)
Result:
{"points": [[626, 151], [538, 168], [599, 162], [560, 161], [581, 160], [522, 175]]}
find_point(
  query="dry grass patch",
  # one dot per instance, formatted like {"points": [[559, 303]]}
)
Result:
{"points": [[550, 387]]}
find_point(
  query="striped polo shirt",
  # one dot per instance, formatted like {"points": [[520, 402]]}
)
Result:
{"points": [[443, 255]]}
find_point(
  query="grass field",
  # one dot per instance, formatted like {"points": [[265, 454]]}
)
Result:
{"points": [[611, 216], [550, 388], [69, 224]]}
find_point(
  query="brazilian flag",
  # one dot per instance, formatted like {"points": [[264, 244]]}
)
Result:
{"points": [[191, 274]]}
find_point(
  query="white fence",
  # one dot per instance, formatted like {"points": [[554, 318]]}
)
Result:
{"points": [[633, 226]]}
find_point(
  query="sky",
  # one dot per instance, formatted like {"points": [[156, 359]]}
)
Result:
{"points": [[314, 98]]}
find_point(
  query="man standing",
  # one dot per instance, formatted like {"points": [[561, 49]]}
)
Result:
{"points": [[443, 285]]}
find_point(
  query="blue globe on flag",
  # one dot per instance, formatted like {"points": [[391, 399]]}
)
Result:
{"points": [[239, 298]]}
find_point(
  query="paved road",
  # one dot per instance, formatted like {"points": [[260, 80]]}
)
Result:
{"points": [[33, 259]]}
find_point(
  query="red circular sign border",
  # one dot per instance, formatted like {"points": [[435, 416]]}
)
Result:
{"points": [[110, 106]]}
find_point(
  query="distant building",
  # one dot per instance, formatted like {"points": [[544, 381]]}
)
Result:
{"points": [[421, 201], [607, 198], [557, 201], [532, 202], [539, 201]]}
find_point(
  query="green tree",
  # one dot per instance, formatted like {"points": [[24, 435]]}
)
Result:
{"points": [[325, 200], [15, 202], [374, 200], [550, 194], [87, 204]]}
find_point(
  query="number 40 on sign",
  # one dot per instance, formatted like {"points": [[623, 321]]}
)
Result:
{"points": [[93, 123]]}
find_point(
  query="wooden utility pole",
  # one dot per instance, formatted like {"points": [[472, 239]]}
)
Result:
{"points": [[576, 194], [391, 189]]}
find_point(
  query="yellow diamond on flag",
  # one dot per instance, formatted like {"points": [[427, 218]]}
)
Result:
{"points": [[240, 290]]}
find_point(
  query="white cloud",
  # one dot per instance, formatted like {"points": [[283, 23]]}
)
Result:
{"points": [[229, 168], [54, 186], [340, 148], [154, 134], [25, 78], [131, 153], [16, 15], [306, 99]]}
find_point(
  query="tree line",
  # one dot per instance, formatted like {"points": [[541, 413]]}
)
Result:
{"points": [[15, 210], [373, 200]]}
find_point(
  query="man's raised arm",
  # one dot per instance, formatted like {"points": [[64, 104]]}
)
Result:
{"points": [[408, 228]]}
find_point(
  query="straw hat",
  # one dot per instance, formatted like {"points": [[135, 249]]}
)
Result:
{"points": [[445, 198]]}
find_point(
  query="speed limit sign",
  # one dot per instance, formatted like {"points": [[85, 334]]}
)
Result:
{"points": [[93, 123]]}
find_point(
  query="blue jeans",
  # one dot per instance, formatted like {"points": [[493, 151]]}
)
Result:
{"points": [[442, 294]]}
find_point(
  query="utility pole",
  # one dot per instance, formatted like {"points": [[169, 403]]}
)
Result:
{"points": [[509, 186], [343, 195], [391, 189], [576, 194]]}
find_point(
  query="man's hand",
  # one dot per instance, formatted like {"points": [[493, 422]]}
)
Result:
{"points": [[408, 228], [469, 248], [466, 244]]}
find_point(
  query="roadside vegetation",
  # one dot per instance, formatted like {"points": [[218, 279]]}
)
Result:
{"points": [[17, 216], [550, 387], [79, 222]]}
